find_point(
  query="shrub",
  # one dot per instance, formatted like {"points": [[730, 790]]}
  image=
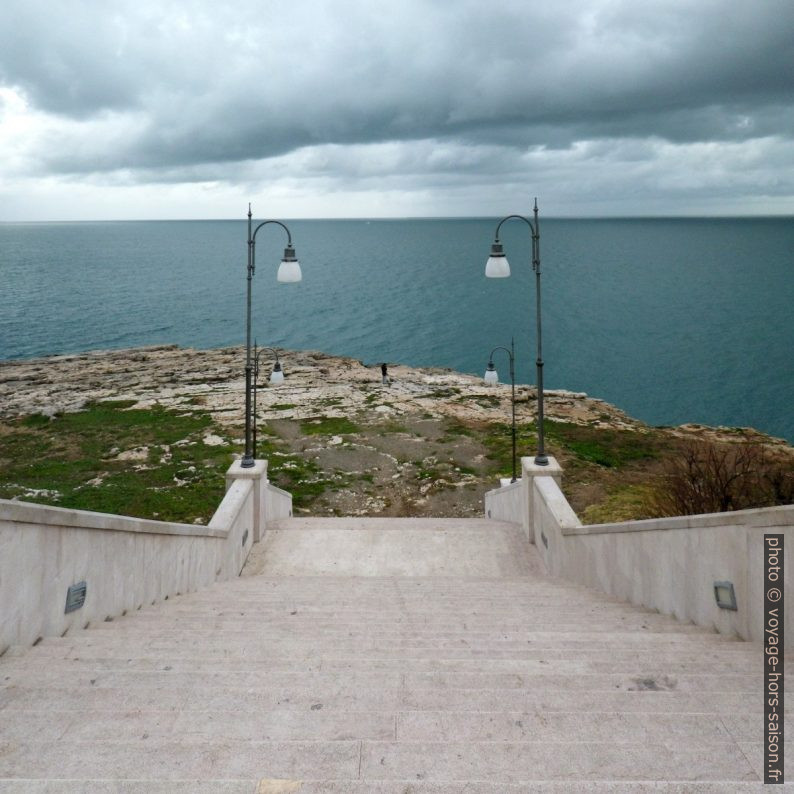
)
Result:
{"points": [[708, 477]]}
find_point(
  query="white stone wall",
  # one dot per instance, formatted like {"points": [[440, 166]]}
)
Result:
{"points": [[668, 564], [508, 502], [278, 504], [125, 562], [672, 565]]}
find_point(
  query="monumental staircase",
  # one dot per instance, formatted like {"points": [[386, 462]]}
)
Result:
{"points": [[393, 656]]}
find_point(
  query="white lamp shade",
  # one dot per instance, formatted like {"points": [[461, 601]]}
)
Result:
{"points": [[497, 267], [276, 377], [289, 271], [491, 376]]}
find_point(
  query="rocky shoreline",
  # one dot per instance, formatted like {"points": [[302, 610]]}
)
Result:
{"points": [[430, 443], [316, 384]]}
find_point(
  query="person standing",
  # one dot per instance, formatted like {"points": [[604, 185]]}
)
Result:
{"points": [[385, 380]]}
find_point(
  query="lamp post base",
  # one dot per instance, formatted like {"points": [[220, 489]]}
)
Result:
{"points": [[541, 460]]}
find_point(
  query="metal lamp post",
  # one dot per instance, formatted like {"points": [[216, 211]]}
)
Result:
{"points": [[276, 377], [498, 267], [491, 376], [288, 271]]}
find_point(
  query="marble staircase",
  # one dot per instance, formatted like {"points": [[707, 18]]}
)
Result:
{"points": [[390, 656]]}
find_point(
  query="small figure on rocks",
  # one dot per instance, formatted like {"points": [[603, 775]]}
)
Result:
{"points": [[385, 379]]}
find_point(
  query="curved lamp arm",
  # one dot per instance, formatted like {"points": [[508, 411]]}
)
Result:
{"points": [[498, 267], [289, 270], [534, 227], [258, 352], [276, 369], [289, 251], [511, 355]]}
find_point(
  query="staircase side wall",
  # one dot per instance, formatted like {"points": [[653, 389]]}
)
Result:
{"points": [[125, 562], [278, 504], [669, 564], [509, 504]]}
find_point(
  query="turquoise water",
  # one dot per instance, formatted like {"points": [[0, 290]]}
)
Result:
{"points": [[672, 320]]}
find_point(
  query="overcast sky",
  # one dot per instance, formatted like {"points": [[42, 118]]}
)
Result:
{"points": [[350, 108]]}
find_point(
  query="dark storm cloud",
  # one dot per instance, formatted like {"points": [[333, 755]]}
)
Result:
{"points": [[210, 84], [424, 94]]}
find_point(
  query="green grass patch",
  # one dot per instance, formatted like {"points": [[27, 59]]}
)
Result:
{"points": [[498, 440], [629, 503], [611, 448], [73, 461], [300, 476], [35, 420]]}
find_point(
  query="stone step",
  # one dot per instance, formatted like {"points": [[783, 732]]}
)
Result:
{"points": [[538, 679], [502, 762], [264, 659], [449, 623], [521, 612], [329, 635], [99, 725], [349, 523], [245, 700], [513, 761], [652, 701], [466, 588], [322, 724], [469, 588], [388, 600], [273, 786], [391, 647], [418, 623], [532, 611], [393, 603], [563, 662], [390, 596], [711, 648], [304, 648], [372, 610], [338, 551], [420, 612], [337, 760]]}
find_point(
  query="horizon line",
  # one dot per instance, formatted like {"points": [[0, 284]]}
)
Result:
{"points": [[243, 219]]}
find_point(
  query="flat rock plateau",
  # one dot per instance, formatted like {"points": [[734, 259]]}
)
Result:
{"points": [[316, 384], [418, 446]]}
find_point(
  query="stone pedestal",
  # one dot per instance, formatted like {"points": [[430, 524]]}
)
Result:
{"points": [[258, 475], [530, 470]]}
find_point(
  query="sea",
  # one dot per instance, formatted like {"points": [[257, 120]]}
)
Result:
{"points": [[672, 320]]}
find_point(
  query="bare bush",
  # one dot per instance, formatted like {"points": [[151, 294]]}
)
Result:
{"points": [[707, 477], [780, 482]]}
